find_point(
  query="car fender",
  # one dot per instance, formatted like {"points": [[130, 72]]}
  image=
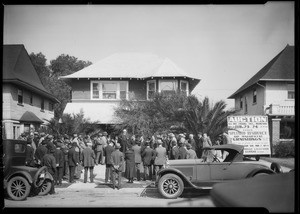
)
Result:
{"points": [[185, 180], [255, 171], [18, 173]]}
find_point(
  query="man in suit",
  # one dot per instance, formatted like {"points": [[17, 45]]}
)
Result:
{"points": [[137, 159], [182, 152], [60, 159], [117, 160], [148, 155], [88, 160], [174, 151], [160, 156], [73, 158], [29, 161], [124, 141], [109, 167], [49, 161], [40, 152]]}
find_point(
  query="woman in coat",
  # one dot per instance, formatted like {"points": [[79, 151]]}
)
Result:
{"points": [[130, 164]]}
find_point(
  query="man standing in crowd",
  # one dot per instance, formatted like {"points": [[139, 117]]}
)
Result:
{"points": [[181, 150], [174, 151], [130, 164], [199, 145], [124, 141], [103, 140], [73, 161], [88, 160], [160, 156], [225, 138], [36, 139], [192, 141], [29, 161], [117, 159], [191, 154], [137, 159], [108, 164], [59, 158], [148, 156], [65, 150], [98, 149], [40, 152], [49, 161]]}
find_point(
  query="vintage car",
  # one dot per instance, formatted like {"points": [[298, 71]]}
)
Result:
{"points": [[203, 173], [276, 193], [19, 180]]}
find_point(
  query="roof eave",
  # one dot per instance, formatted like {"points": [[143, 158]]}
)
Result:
{"points": [[33, 88]]}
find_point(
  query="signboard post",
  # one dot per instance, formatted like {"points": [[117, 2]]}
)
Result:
{"points": [[250, 131]]}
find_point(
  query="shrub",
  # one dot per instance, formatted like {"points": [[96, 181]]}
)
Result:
{"points": [[285, 149]]}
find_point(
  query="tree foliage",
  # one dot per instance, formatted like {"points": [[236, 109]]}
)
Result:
{"points": [[49, 75], [176, 113]]}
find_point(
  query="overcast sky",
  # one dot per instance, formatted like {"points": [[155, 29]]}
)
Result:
{"points": [[223, 45]]}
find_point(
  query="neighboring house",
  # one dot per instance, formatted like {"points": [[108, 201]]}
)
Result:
{"points": [[26, 103], [271, 92], [98, 89]]}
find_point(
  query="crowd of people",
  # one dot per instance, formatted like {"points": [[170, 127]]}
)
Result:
{"points": [[66, 157]]}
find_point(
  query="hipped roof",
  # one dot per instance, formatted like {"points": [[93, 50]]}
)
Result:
{"points": [[18, 69], [131, 65], [280, 68]]}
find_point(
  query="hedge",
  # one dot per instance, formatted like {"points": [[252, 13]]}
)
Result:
{"points": [[285, 149]]}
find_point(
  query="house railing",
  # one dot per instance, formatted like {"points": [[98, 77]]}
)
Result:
{"points": [[276, 109]]}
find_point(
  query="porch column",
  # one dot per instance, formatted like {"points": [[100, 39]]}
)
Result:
{"points": [[275, 137]]}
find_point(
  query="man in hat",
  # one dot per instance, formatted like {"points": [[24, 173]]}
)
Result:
{"points": [[160, 156], [36, 139], [60, 159], [49, 161], [137, 159], [104, 143], [117, 160], [98, 148], [73, 157], [191, 154], [29, 161], [182, 152], [40, 152], [124, 140], [148, 156], [108, 164], [88, 160]]}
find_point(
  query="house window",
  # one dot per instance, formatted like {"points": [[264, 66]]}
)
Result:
{"points": [[42, 105], [50, 106], [184, 87], [20, 96], [254, 96], [151, 89], [16, 131], [241, 103], [31, 99], [246, 106], [109, 90], [291, 91], [168, 86]]}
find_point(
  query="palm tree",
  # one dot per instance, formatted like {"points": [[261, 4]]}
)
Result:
{"points": [[202, 117]]}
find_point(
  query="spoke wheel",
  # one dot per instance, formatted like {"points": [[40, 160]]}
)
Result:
{"points": [[170, 186], [18, 188], [45, 188]]}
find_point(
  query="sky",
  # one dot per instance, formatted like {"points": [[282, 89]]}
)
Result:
{"points": [[223, 45]]}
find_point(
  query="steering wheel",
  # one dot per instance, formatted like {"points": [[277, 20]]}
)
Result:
{"points": [[216, 159]]}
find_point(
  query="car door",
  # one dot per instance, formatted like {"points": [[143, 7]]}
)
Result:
{"points": [[202, 173]]}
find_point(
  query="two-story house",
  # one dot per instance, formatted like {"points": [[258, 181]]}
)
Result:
{"points": [[98, 89], [26, 103], [271, 92]]}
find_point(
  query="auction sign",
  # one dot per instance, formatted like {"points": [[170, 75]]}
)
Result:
{"points": [[252, 132]]}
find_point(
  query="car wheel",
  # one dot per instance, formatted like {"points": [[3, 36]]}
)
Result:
{"points": [[45, 188], [38, 180], [170, 186], [18, 188]]}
